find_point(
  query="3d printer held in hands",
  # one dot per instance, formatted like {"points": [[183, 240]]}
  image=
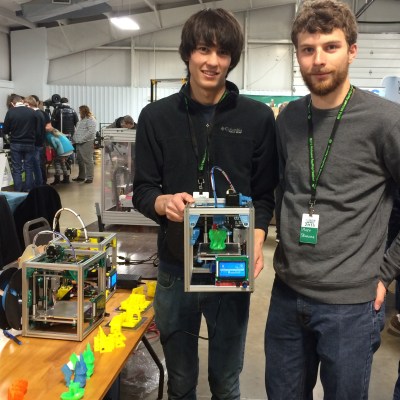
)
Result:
{"points": [[218, 242]]}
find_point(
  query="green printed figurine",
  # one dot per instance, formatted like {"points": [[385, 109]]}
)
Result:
{"points": [[217, 238], [75, 392], [88, 357]]}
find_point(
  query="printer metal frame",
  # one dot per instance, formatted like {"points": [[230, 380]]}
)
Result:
{"points": [[117, 155], [192, 215], [72, 312], [98, 241]]}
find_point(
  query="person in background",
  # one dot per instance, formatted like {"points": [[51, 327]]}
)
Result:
{"points": [[178, 141], [126, 122], [123, 122], [282, 106], [83, 139], [47, 127], [42, 120], [339, 154], [64, 118], [10, 99], [20, 123], [63, 147]]}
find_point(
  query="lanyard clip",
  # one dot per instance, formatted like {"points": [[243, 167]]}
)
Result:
{"points": [[311, 205], [200, 183]]}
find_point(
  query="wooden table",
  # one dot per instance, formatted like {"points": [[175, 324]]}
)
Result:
{"points": [[39, 360]]}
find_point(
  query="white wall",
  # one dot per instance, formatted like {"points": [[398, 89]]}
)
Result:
{"points": [[4, 57], [6, 88], [266, 63], [92, 67], [392, 88], [29, 61], [109, 102]]}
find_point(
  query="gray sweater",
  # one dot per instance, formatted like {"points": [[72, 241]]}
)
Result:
{"points": [[353, 199], [85, 130]]}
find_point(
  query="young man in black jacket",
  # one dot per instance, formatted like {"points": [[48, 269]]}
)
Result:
{"points": [[179, 139], [20, 124]]}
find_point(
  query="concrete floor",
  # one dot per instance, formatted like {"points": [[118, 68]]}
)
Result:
{"points": [[82, 198]]}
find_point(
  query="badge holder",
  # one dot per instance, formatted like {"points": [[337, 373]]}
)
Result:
{"points": [[309, 226]]}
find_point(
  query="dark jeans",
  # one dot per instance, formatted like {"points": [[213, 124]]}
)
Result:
{"points": [[396, 394], [22, 159], [302, 335], [37, 166], [393, 230], [178, 316]]}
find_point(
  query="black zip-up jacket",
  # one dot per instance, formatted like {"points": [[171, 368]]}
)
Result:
{"points": [[69, 119], [241, 142]]}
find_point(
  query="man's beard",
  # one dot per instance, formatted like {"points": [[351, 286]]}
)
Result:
{"points": [[326, 86]]}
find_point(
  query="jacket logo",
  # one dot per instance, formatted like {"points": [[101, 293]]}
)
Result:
{"points": [[237, 131]]}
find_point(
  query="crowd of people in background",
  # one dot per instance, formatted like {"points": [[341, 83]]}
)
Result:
{"points": [[38, 137]]}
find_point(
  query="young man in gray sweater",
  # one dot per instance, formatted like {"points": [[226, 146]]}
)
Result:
{"points": [[339, 151]]}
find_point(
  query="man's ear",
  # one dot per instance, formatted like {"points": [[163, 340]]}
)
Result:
{"points": [[353, 50]]}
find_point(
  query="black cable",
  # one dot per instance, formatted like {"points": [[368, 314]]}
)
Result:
{"points": [[163, 342], [153, 258]]}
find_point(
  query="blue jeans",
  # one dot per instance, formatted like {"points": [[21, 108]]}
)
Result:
{"points": [[178, 317], [22, 158], [393, 231], [396, 394], [37, 166], [302, 335]]}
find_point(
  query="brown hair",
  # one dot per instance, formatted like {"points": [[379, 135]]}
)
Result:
{"points": [[128, 120], [213, 27], [85, 111], [31, 101], [13, 99], [324, 16]]}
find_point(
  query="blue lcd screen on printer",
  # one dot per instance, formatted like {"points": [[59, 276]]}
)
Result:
{"points": [[232, 269]]}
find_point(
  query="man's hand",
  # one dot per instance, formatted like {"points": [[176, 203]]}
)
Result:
{"points": [[173, 205], [380, 296], [259, 237]]}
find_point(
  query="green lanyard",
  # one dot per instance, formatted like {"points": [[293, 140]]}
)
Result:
{"points": [[314, 179], [200, 162]]}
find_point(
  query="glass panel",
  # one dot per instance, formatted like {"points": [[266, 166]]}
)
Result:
{"points": [[117, 175]]}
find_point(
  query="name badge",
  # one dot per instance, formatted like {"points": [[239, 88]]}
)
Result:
{"points": [[309, 229]]}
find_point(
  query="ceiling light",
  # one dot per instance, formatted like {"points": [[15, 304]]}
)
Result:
{"points": [[125, 23]]}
